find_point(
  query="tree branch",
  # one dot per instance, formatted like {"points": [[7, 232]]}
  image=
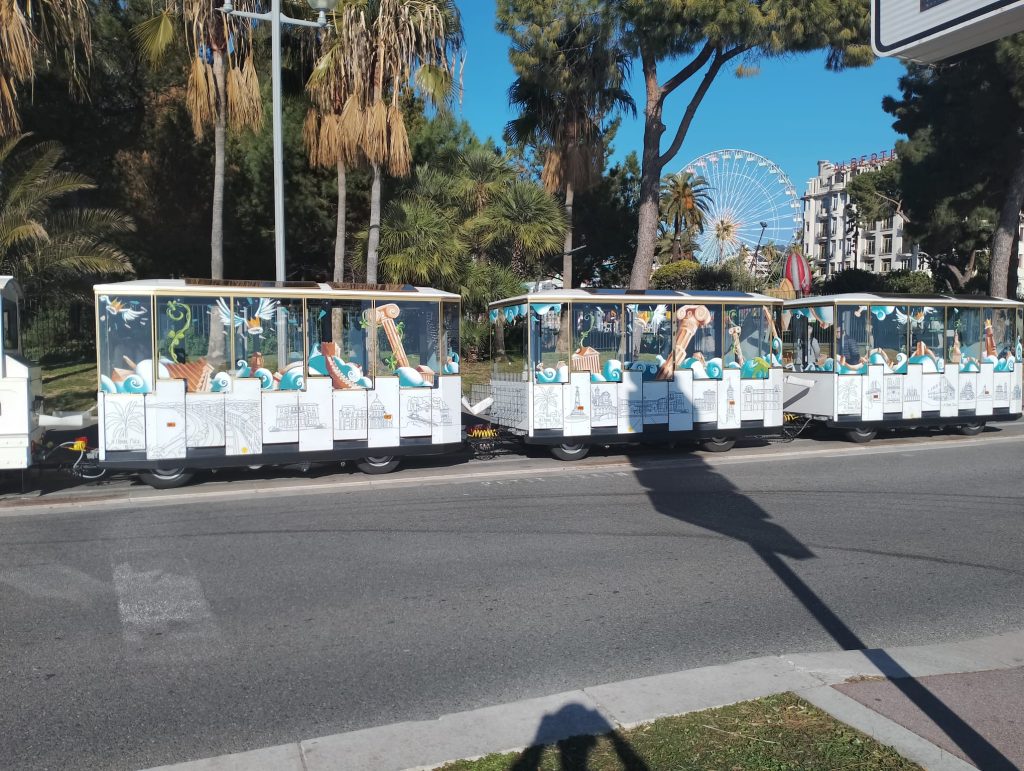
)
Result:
{"points": [[688, 71], [720, 58]]}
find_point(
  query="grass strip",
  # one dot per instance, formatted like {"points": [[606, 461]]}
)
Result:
{"points": [[776, 733]]}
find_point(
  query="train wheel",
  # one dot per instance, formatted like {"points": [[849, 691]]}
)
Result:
{"points": [[567, 451], [861, 435], [971, 429], [717, 444], [166, 478], [380, 464]]}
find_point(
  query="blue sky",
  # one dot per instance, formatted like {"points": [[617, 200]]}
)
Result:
{"points": [[794, 112]]}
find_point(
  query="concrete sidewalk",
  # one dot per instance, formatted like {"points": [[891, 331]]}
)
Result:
{"points": [[938, 705]]}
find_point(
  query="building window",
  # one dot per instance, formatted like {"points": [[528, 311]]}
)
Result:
{"points": [[887, 244], [870, 246], [886, 266], [887, 223]]}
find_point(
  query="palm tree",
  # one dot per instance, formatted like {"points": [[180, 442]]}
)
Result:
{"points": [[524, 222], [47, 244], [570, 80], [686, 201], [421, 244], [223, 88], [33, 32], [381, 49]]}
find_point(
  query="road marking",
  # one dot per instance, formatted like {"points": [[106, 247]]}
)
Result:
{"points": [[164, 612], [143, 497]]}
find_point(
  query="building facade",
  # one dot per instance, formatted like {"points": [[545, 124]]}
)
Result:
{"points": [[831, 240]]}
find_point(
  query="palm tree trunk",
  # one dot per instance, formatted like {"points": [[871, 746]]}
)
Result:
{"points": [[216, 355], [339, 249], [374, 236], [567, 250]]}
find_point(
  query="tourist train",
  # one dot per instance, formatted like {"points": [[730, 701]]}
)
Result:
{"points": [[202, 374]]}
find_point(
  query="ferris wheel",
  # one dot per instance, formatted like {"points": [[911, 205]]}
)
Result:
{"points": [[747, 192]]}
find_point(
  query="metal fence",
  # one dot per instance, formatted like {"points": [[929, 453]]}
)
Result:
{"points": [[58, 331]]}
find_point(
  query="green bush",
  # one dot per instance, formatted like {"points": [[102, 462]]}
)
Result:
{"points": [[476, 340], [909, 282], [853, 280], [676, 275]]}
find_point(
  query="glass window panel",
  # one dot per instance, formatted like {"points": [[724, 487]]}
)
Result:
{"points": [[549, 342], [450, 317], [125, 343], [12, 342], [1000, 335], [927, 334], [193, 341], [509, 327], [337, 342], [599, 343], [408, 341], [964, 336], [887, 331], [649, 340], [852, 335], [749, 331], [812, 332], [268, 341]]}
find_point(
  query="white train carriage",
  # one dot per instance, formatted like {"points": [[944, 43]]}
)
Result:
{"points": [[199, 374], [21, 388], [573, 368], [864, 362]]}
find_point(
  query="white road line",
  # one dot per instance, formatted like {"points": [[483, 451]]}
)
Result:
{"points": [[146, 498], [164, 612]]}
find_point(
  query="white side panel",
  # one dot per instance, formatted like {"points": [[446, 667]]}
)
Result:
{"points": [[1018, 391], [577, 404], [913, 383], [773, 397], [892, 393], [280, 417], [349, 414], [950, 392], [656, 401], [604, 405], [968, 396], [511, 405], [752, 399], [547, 406], [680, 401], [705, 401], [243, 421], [631, 403], [124, 422], [871, 406], [809, 393], [729, 399], [986, 389], [165, 420], [382, 413], [204, 420], [447, 411], [850, 394], [415, 412], [1003, 382], [315, 407], [931, 391]]}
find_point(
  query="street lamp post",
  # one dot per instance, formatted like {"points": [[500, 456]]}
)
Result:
{"points": [[276, 19], [764, 226]]}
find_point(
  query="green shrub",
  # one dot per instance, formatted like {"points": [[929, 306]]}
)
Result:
{"points": [[676, 275], [909, 282]]}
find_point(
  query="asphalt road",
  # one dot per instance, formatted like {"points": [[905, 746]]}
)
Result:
{"points": [[238, 615]]}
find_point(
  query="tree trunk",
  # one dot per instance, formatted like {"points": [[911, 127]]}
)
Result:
{"points": [[567, 250], [650, 180], [1009, 220], [339, 251], [373, 239], [216, 355]]}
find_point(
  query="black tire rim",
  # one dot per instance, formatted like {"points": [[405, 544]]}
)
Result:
{"points": [[380, 460], [572, 448], [168, 473]]}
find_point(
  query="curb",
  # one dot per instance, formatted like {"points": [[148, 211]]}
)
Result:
{"points": [[512, 727]]}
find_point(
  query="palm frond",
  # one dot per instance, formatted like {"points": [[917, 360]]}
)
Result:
{"points": [[155, 35]]}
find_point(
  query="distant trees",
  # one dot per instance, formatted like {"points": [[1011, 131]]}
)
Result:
{"points": [[685, 202]]}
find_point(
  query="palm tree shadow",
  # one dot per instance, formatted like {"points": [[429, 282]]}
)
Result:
{"points": [[574, 730], [712, 503]]}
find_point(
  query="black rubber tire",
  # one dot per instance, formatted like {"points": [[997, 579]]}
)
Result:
{"points": [[971, 429], [568, 451], [717, 444], [861, 435], [167, 479], [380, 464]]}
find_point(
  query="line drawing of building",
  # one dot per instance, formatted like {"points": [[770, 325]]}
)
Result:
{"points": [[378, 416], [760, 397], [630, 408], [893, 390], [873, 393], [1001, 392], [730, 401], [295, 416], [577, 412], [967, 392], [707, 401], [351, 418], [657, 406], [678, 404], [911, 394], [1016, 392], [942, 391], [602, 406]]}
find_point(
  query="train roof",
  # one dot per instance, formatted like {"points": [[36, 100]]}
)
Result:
{"points": [[203, 286], [872, 298], [601, 294]]}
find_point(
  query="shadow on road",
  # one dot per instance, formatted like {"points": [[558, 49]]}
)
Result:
{"points": [[712, 503], [574, 730]]}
